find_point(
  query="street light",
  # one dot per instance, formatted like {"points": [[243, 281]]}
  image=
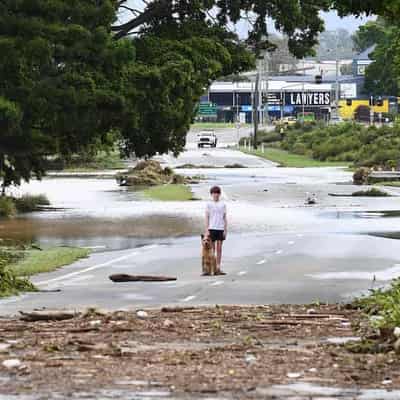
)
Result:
{"points": [[283, 91]]}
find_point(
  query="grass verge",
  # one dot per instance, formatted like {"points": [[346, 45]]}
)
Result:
{"points": [[169, 192], [389, 183], [37, 261], [286, 159], [17, 265], [102, 161]]}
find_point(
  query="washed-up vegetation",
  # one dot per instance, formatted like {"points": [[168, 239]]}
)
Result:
{"points": [[10, 206], [223, 350], [150, 173], [18, 263]]}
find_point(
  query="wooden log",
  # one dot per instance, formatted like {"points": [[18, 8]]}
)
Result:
{"points": [[140, 278], [47, 315]]}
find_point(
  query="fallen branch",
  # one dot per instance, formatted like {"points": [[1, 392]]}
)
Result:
{"points": [[177, 309], [46, 315], [140, 278]]}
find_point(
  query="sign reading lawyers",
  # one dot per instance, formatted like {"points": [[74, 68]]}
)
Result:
{"points": [[317, 99]]}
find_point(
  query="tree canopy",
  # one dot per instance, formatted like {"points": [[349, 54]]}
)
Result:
{"points": [[72, 73], [382, 76]]}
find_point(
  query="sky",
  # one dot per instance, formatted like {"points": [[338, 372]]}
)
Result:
{"points": [[332, 20]]}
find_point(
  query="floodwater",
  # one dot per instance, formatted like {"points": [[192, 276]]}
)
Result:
{"points": [[97, 213]]}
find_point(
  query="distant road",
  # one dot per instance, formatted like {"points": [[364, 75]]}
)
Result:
{"points": [[226, 136]]}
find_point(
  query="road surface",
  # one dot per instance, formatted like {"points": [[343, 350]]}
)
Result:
{"points": [[278, 250]]}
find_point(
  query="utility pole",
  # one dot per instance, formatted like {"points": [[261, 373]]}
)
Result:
{"points": [[336, 113], [266, 105], [256, 98], [303, 94]]}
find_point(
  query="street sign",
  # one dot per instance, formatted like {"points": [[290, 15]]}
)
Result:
{"points": [[273, 98], [308, 98], [207, 109]]}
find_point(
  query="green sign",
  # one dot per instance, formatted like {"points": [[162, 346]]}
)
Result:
{"points": [[207, 109]]}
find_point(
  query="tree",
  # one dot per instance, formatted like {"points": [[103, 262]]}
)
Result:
{"points": [[383, 74], [71, 73], [369, 34]]}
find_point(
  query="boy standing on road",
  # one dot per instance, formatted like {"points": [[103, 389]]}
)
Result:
{"points": [[216, 224]]}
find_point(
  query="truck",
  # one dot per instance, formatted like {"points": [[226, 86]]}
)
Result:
{"points": [[207, 138]]}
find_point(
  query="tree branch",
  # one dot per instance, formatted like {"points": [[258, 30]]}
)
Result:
{"points": [[155, 9]]}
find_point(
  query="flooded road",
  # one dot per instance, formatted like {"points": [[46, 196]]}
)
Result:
{"points": [[278, 249]]}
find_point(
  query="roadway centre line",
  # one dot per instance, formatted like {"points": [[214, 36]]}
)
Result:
{"points": [[105, 264], [261, 262], [186, 299], [241, 273]]}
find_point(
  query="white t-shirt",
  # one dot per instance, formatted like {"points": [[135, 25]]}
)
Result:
{"points": [[216, 211]]}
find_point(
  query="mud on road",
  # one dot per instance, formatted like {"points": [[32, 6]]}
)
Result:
{"points": [[229, 351]]}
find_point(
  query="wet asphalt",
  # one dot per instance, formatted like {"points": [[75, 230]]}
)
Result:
{"points": [[278, 250]]}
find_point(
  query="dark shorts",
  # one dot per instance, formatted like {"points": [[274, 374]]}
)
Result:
{"points": [[216, 235]]}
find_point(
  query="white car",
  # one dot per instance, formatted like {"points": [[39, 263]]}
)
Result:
{"points": [[207, 138]]}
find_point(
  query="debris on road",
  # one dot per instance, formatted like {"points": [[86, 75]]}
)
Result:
{"points": [[119, 278], [142, 314], [13, 363], [229, 350]]}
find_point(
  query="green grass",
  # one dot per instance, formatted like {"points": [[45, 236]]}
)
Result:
{"points": [[17, 265], [286, 159], [389, 183], [103, 161], [37, 261], [169, 192]]}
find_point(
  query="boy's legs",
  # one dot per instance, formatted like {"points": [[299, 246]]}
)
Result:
{"points": [[218, 247]]}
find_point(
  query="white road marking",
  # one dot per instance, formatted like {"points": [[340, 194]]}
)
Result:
{"points": [[76, 273], [300, 235], [189, 298], [241, 273], [217, 283], [279, 252], [291, 242], [262, 261]]}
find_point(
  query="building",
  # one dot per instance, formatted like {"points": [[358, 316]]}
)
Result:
{"points": [[287, 96]]}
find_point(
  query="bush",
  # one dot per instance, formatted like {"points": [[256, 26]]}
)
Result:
{"points": [[29, 203], [373, 192], [7, 207], [10, 283], [364, 146]]}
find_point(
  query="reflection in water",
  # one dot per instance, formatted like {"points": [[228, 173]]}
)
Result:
{"points": [[97, 233], [361, 214]]}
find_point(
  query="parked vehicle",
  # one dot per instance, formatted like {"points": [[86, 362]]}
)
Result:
{"points": [[335, 119], [207, 138]]}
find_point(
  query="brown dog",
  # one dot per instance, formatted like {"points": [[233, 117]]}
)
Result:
{"points": [[208, 261]]}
